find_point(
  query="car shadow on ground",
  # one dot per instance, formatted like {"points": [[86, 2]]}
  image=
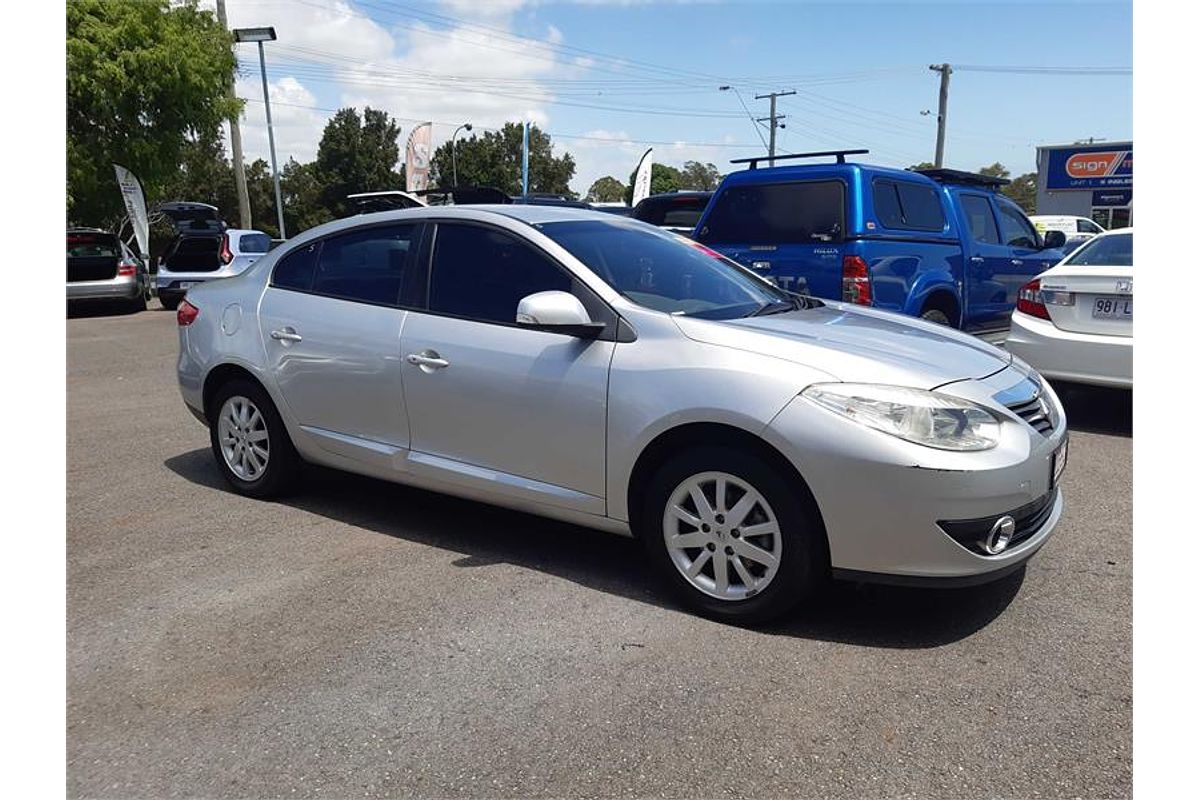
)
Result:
{"points": [[1096, 409], [870, 616], [100, 308]]}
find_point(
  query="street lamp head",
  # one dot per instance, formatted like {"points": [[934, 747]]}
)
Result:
{"points": [[467, 126], [723, 88], [254, 34]]}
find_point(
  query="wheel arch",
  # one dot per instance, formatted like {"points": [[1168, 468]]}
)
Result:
{"points": [[679, 438], [944, 300], [222, 374]]}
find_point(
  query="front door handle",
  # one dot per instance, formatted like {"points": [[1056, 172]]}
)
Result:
{"points": [[286, 335], [976, 259], [427, 361], [1016, 262]]}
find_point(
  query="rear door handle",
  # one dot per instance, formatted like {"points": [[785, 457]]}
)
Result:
{"points": [[286, 335], [427, 361], [1016, 262]]}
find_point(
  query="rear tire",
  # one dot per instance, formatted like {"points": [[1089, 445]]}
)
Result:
{"points": [[169, 303], [935, 315], [735, 575], [249, 441], [137, 304]]}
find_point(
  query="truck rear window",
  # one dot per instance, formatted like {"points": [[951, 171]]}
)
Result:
{"points": [[804, 212]]}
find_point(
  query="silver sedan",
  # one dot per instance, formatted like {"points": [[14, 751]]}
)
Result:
{"points": [[599, 370]]}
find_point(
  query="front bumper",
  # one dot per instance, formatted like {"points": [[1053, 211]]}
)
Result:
{"points": [[123, 288], [1100, 360], [881, 498]]}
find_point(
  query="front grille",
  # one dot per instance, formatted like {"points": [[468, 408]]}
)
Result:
{"points": [[1029, 518], [1034, 412], [1026, 401]]}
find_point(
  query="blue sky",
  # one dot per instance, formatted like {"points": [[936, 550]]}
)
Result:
{"points": [[860, 70]]}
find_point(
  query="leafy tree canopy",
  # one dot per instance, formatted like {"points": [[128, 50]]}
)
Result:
{"points": [[357, 154], [662, 179], [606, 190], [701, 177], [494, 159], [142, 77]]}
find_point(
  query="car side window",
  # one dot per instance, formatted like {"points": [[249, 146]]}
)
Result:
{"points": [[365, 265], [1015, 231], [887, 204], [1087, 226], [295, 270], [978, 212], [482, 273]]}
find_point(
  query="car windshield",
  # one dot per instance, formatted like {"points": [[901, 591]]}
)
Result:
{"points": [[1115, 250], [666, 272]]}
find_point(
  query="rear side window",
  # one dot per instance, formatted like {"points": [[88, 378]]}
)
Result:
{"points": [[254, 243], [366, 265], [296, 269], [908, 206], [678, 212], [805, 212], [978, 211], [1015, 230], [481, 273]]}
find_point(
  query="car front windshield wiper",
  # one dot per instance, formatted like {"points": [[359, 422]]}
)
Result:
{"points": [[792, 303]]}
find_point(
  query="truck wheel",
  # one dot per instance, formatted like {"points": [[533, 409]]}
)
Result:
{"points": [[935, 315]]}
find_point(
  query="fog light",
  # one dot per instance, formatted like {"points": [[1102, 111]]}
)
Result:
{"points": [[1001, 534]]}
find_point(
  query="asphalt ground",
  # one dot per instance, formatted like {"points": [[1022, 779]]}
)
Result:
{"points": [[363, 639]]}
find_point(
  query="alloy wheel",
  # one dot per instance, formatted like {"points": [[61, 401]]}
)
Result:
{"points": [[245, 442]]}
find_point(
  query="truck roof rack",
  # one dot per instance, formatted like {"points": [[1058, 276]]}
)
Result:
{"points": [[959, 176], [841, 157]]}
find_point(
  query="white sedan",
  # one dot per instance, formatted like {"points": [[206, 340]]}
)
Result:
{"points": [[1074, 322]]}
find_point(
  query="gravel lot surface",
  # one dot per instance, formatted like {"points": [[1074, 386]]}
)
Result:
{"points": [[363, 639]]}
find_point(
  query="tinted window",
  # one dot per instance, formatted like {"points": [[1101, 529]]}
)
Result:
{"points": [[481, 273], [663, 271], [254, 243], [92, 245], [195, 252], [675, 212], [978, 211], [366, 265], [1015, 231], [921, 207], [802, 213], [1087, 226], [887, 205], [295, 270], [1105, 251]]}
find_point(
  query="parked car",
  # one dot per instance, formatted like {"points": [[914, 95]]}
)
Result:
{"points": [[203, 250], [1077, 229], [1074, 322], [678, 212], [618, 208], [939, 244], [598, 370], [101, 267]]}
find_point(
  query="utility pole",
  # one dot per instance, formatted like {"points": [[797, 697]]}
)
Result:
{"points": [[943, 102], [235, 143], [774, 120]]}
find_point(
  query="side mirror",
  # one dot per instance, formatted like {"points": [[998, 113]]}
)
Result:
{"points": [[557, 312], [1054, 240]]}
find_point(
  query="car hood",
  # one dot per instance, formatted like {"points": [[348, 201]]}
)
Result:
{"points": [[857, 345]]}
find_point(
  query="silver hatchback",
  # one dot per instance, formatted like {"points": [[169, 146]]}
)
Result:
{"points": [[602, 371]]}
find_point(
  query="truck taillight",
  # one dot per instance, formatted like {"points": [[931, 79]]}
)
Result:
{"points": [[226, 253], [126, 270], [856, 282], [1029, 300], [186, 314]]}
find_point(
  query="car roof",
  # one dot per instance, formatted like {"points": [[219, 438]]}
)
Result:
{"points": [[533, 214]]}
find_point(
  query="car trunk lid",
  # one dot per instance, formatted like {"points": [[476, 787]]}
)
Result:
{"points": [[92, 256], [1101, 299]]}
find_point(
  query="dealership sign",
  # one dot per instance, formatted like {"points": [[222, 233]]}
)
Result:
{"points": [[1090, 167]]}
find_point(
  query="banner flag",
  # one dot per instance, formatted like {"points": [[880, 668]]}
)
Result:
{"points": [[135, 205], [416, 158], [641, 184]]}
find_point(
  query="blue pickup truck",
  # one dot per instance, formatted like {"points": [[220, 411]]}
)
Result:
{"points": [[940, 244]]}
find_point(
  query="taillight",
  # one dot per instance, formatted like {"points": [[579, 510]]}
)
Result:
{"points": [[126, 270], [186, 314], [226, 253], [856, 283], [1029, 300]]}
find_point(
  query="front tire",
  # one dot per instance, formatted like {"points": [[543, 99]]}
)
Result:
{"points": [[249, 441], [731, 536]]}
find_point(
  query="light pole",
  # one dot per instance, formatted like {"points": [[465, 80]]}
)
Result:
{"points": [[261, 35], [454, 148]]}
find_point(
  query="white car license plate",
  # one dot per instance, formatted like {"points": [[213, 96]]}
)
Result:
{"points": [[186, 284], [1058, 462], [1113, 308]]}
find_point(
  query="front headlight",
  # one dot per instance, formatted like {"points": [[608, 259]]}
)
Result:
{"points": [[915, 415]]}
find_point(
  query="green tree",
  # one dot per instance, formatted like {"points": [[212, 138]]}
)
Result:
{"points": [[922, 165], [996, 170], [301, 187], [1023, 191], [356, 154], [143, 78], [701, 177], [606, 190], [494, 159], [662, 179]]}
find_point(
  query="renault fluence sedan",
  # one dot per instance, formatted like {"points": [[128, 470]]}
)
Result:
{"points": [[599, 370]]}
